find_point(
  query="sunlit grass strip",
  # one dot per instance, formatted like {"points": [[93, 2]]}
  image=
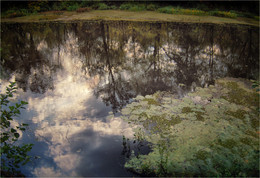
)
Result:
{"points": [[180, 11], [191, 12], [223, 14]]}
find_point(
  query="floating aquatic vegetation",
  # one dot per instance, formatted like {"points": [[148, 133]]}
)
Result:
{"points": [[213, 131]]}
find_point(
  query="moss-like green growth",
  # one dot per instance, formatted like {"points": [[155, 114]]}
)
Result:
{"points": [[198, 114], [240, 96], [229, 143], [205, 133], [239, 114], [151, 101], [202, 154], [186, 110]]}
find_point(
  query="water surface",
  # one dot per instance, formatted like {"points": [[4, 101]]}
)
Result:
{"points": [[74, 74]]}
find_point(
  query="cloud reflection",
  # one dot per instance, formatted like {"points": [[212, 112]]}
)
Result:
{"points": [[62, 114]]}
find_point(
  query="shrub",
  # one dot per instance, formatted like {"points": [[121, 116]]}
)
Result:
{"points": [[57, 7], [223, 14], [167, 10], [103, 6], [73, 7], [139, 7], [86, 3], [113, 7], [13, 13], [192, 12], [125, 6], [256, 18], [84, 9], [213, 13], [152, 7]]}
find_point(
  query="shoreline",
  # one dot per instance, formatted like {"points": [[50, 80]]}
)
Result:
{"points": [[119, 15]]}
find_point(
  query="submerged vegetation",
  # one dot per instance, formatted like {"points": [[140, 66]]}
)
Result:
{"points": [[213, 131], [202, 9]]}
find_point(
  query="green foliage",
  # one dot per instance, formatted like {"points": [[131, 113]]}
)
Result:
{"points": [[201, 9], [73, 7], [57, 7], [16, 13], [217, 13], [133, 6], [12, 156], [139, 7], [256, 85], [203, 134], [113, 7], [245, 98], [167, 10], [179, 10], [103, 6], [152, 7], [125, 6], [86, 3]]}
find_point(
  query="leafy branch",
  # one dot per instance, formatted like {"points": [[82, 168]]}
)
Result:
{"points": [[12, 156]]}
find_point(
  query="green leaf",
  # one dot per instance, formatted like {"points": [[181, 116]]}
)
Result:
{"points": [[14, 139], [22, 129], [17, 135], [11, 108], [4, 139], [25, 124], [13, 130], [24, 102]]}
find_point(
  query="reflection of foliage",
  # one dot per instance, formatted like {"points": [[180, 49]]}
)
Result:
{"points": [[256, 85], [130, 58], [12, 156], [202, 134]]}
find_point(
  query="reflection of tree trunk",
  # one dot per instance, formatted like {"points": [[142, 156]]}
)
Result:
{"points": [[106, 49], [115, 92], [249, 56], [211, 53], [155, 53], [133, 41], [59, 63]]}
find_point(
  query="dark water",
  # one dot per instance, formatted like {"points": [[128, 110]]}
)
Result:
{"points": [[74, 74]]}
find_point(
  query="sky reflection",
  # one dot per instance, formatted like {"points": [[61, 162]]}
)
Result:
{"points": [[74, 74], [73, 122]]}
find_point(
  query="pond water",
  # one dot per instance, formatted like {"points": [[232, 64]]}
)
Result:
{"points": [[74, 74]]}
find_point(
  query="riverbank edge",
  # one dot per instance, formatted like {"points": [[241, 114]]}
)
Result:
{"points": [[116, 15]]}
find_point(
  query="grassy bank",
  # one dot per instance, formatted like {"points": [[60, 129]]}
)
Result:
{"points": [[88, 10], [65, 16]]}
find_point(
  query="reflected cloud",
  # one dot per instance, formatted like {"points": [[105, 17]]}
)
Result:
{"points": [[47, 172], [74, 74], [67, 110]]}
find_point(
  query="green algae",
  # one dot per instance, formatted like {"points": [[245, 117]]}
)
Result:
{"points": [[240, 96], [203, 134], [151, 101], [198, 114], [202, 154]]}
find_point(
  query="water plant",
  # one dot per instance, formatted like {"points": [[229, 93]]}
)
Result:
{"points": [[210, 132]]}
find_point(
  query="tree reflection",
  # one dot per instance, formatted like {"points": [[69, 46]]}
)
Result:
{"points": [[116, 91], [129, 58]]}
